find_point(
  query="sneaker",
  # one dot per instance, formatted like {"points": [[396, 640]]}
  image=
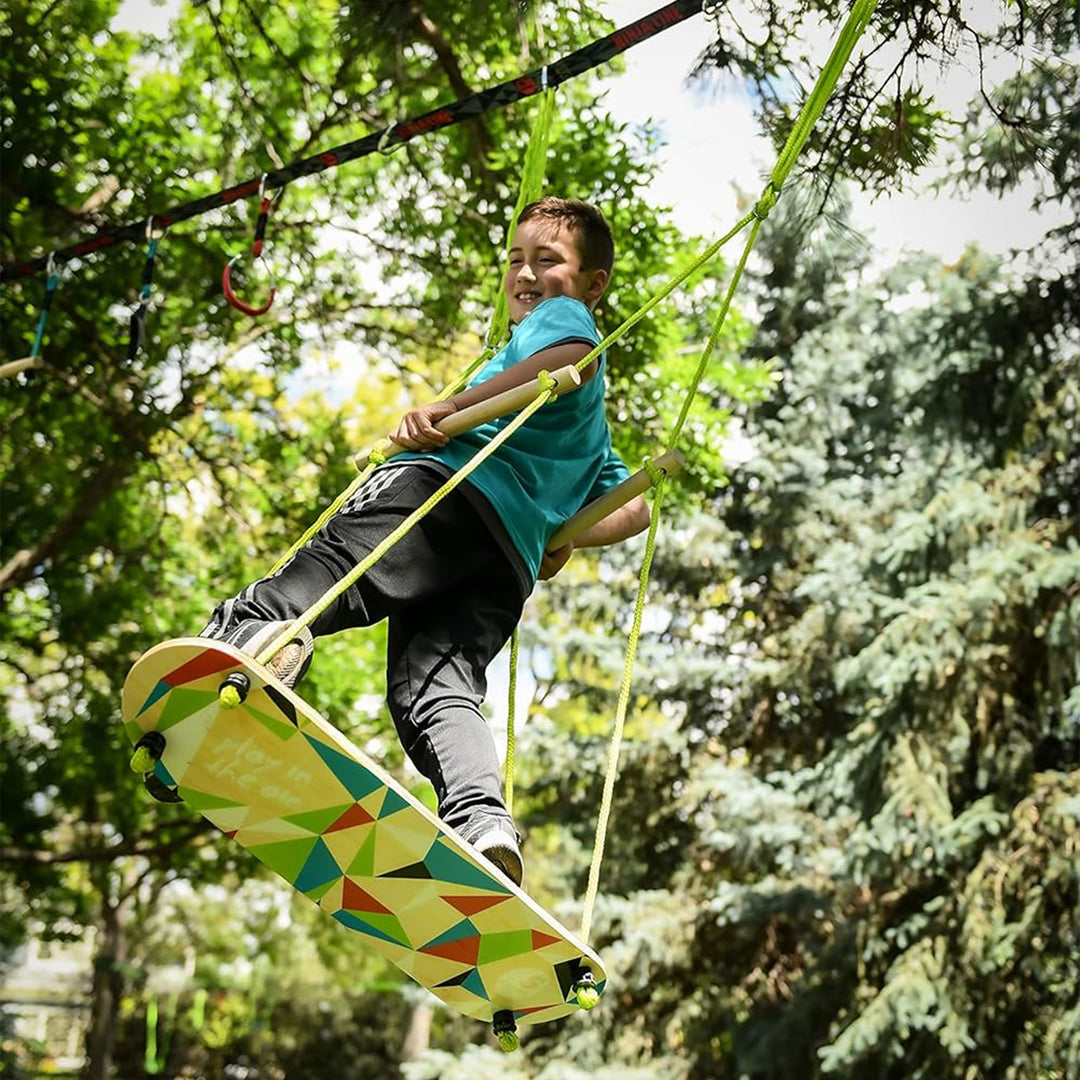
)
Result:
{"points": [[290, 663], [497, 840]]}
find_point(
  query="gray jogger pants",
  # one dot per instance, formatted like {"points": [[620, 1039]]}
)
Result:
{"points": [[452, 599]]}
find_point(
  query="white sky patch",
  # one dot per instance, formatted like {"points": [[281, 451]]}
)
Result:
{"points": [[713, 143], [715, 147], [146, 16]]}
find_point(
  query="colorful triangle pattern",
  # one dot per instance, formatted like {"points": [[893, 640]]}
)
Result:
{"points": [[314, 811]]}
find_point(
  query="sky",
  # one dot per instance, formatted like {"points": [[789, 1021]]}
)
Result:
{"points": [[714, 145]]}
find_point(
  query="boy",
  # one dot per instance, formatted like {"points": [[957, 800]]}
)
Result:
{"points": [[453, 588]]}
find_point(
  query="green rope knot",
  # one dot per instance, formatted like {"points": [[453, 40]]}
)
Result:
{"points": [[376, 456], [655, 474], [546, 381], [766, 202]]}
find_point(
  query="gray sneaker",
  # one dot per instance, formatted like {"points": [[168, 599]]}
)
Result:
{"points": [[497, 840], [290, 663]]}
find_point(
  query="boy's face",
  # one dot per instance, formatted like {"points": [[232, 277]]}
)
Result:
{"points": [[545, 261]]}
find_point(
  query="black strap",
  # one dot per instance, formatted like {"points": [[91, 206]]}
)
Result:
{"points": [[137, 330]]}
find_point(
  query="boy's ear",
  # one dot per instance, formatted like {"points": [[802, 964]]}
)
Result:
{"points": [[596, 286]]}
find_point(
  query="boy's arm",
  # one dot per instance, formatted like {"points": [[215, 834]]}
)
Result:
{"points": [[417, 430], [628, 520]]}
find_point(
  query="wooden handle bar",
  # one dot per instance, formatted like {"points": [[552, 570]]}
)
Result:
{"points": [[669, 462], [566, 379]]}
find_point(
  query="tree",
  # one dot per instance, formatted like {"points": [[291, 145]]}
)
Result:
{"points": [[140, 488]]}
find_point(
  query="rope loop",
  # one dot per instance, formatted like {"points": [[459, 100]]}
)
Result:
{"points": [[137, 326], [767, 201], [655, 474], [546, 381], [51, 282]]}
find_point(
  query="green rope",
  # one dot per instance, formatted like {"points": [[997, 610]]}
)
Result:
{"points": [[150, 1058], [827, 79], [511, 738], [198, 1009], [545, 394], [153, 1062], [808, 115], [532, 183], [714, 337], [358, 482], [662, 293], [620, 719]]}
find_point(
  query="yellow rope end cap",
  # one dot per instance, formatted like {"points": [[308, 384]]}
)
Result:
{"points": [[229, 697], [508, 1041], [142, 761]]}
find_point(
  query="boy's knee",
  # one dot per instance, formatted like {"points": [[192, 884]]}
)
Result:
{"points": [[416, 714]]}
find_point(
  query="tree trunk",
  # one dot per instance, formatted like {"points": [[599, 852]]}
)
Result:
{"points": [[418, 1034], [108, 988]]}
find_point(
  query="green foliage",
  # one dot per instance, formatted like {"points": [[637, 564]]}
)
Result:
{"points": [[845, 828], [882, 124]]}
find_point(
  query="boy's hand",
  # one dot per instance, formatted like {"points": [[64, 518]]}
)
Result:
{"points": [[554, 561], [417, 430]]}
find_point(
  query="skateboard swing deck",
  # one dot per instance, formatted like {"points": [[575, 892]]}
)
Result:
{"points": [[283, 783]]}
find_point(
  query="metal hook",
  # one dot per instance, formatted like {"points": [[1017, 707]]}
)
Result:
{"points": [[385, 138], [265, 203]]}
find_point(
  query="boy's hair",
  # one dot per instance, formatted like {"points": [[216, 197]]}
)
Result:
{"points": [[594, 240]]}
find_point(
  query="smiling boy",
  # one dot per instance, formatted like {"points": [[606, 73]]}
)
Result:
{"points": [[453, 588]]}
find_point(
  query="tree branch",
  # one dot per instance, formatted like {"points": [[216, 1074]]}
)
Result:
{"points": [[429, 32], [245, 93]]}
